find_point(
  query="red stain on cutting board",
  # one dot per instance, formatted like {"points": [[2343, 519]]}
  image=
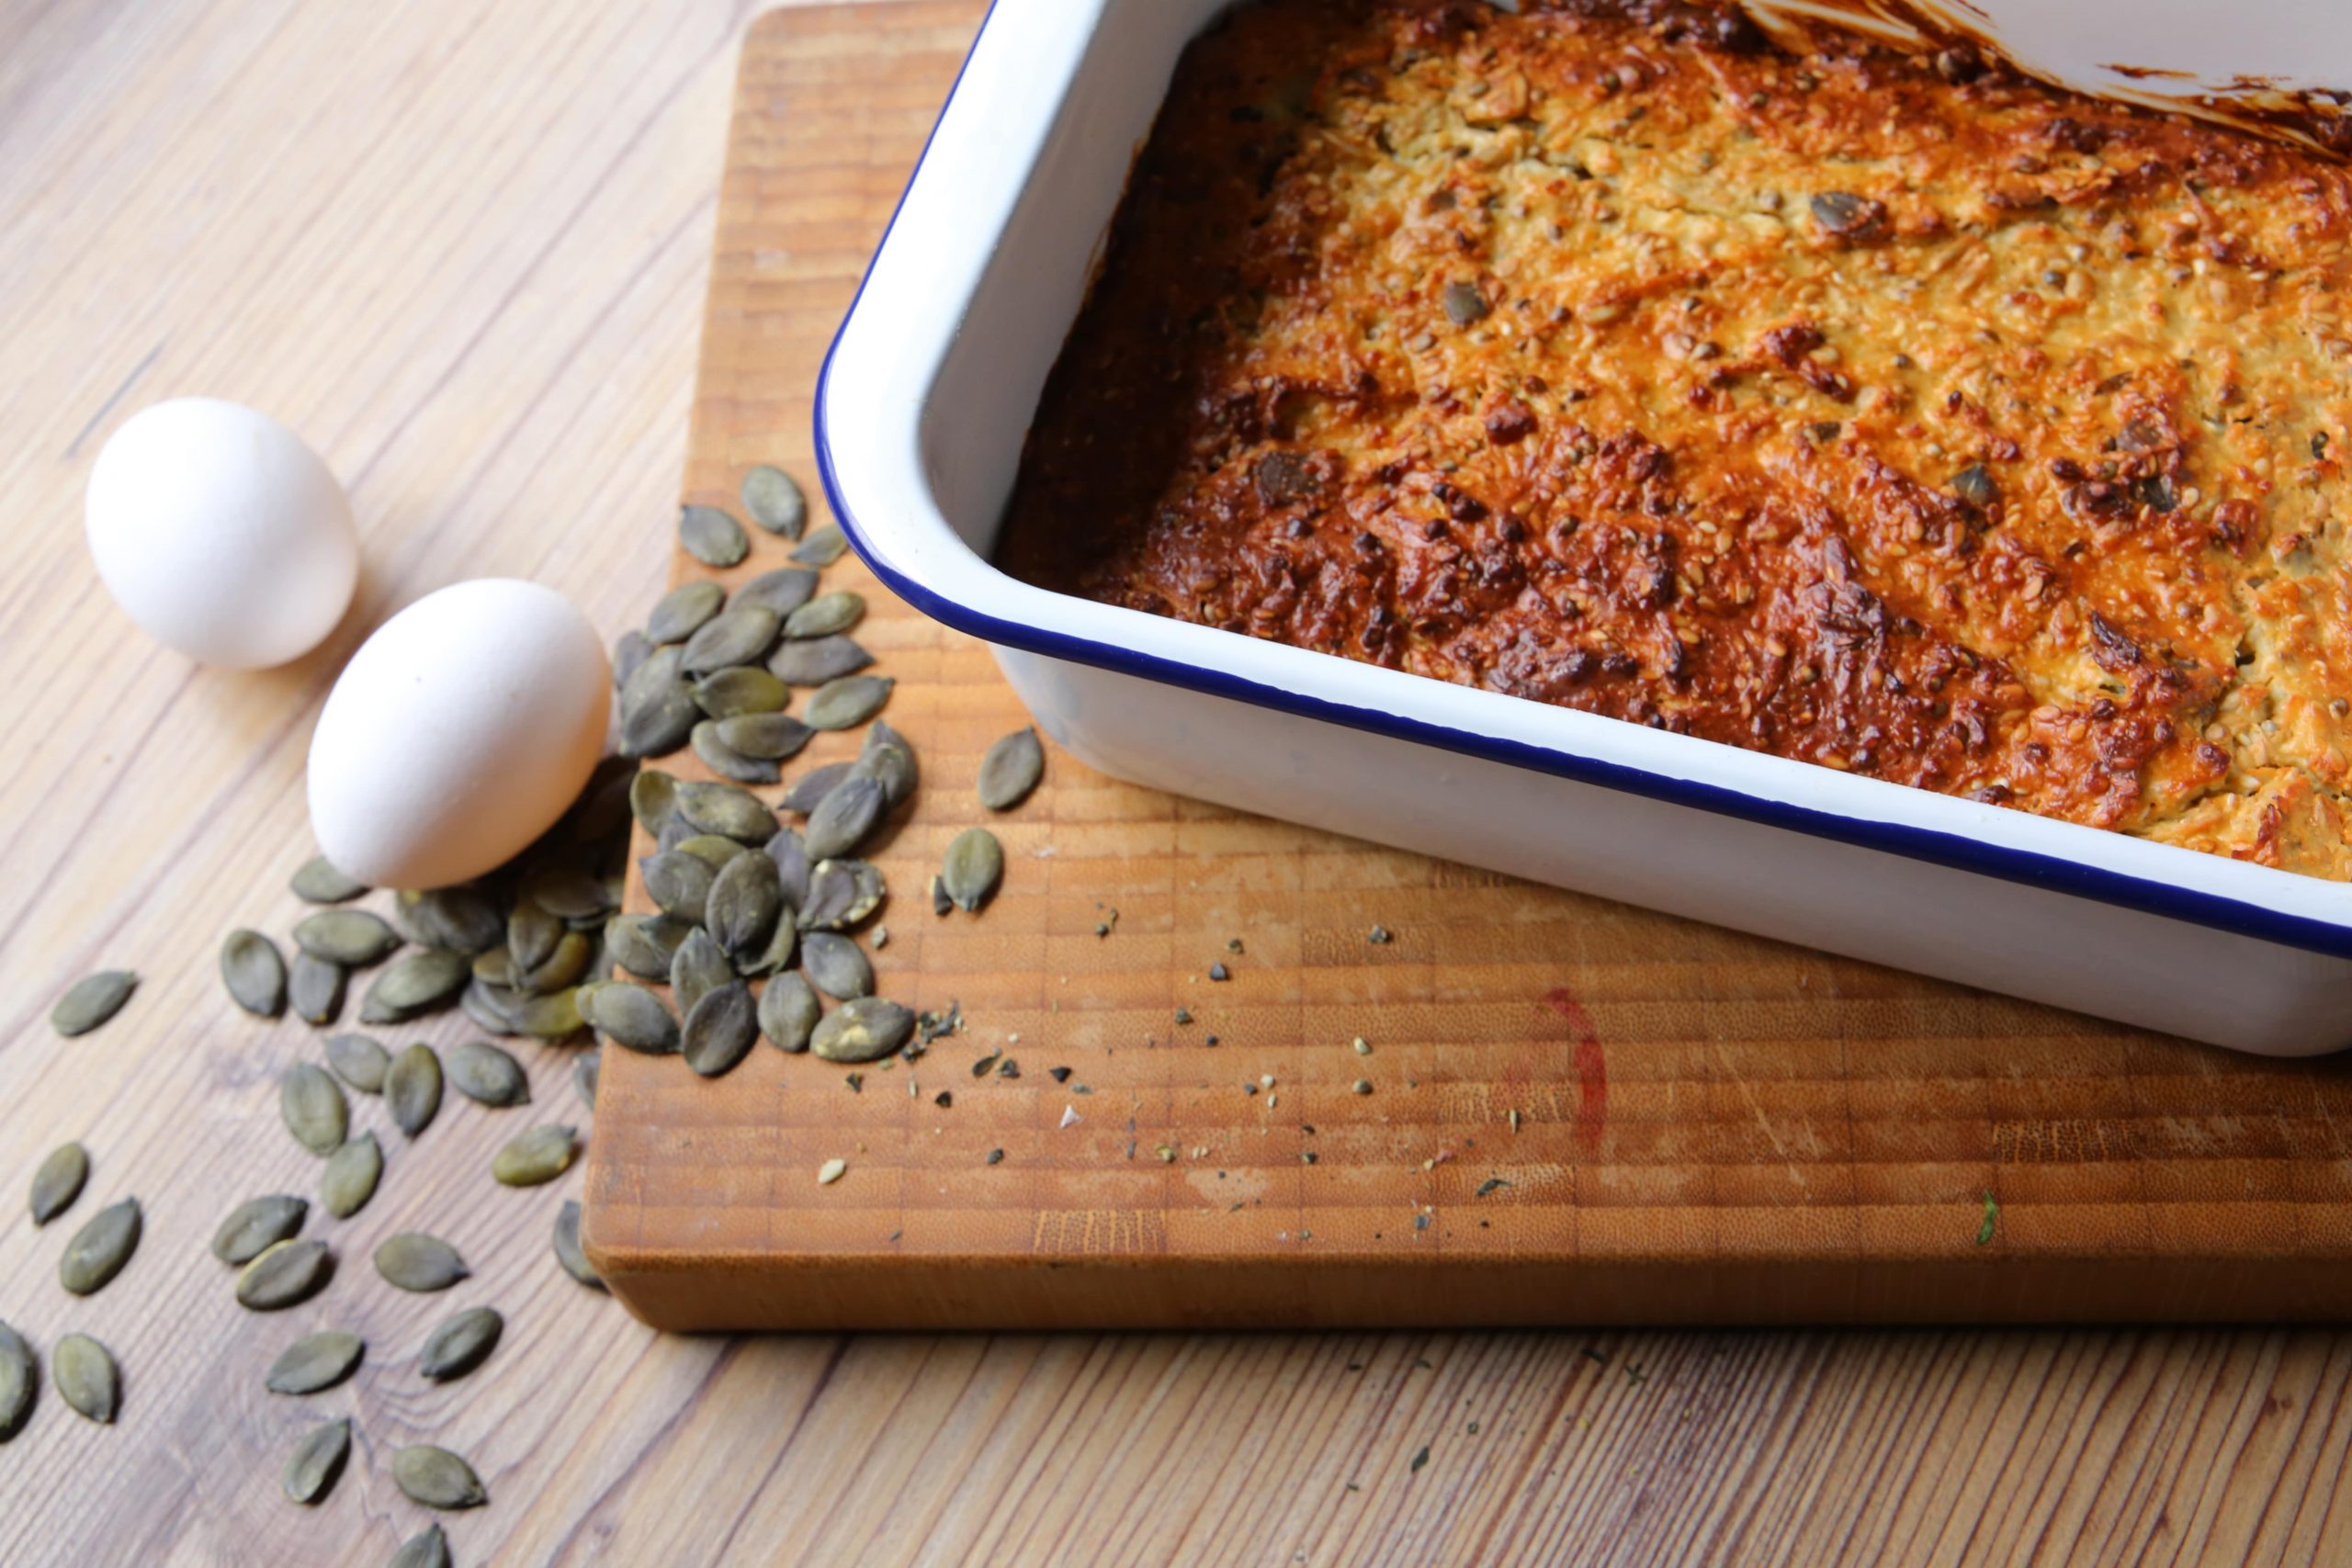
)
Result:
{"points": [[1592, 1067]]}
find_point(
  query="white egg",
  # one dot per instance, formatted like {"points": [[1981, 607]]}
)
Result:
{"points": [[459, 732], [220, 534]]}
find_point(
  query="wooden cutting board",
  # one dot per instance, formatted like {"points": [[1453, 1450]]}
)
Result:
{"points": [[1578, 1111]]}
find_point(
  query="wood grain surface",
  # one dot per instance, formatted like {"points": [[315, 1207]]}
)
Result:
{"points": [[1571, 1111], [464, 249]]}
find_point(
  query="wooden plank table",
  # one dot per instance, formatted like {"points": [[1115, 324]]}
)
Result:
{"points": [[464, 248]]}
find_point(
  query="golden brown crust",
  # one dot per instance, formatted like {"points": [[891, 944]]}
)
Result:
{"points": [[1900, 415]]}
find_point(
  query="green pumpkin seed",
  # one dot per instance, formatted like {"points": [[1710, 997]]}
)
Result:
{"points": [[100, 1248], [809, 790], [684, 611], [889, 762], [20, 1377], [567, 892], [253, 973], [1011, 770], [460, 1344], [712, 850], [745, 899], [774, 501], [827, 614], [822, 547], [458, 919], [812, 661], [257, 1224], [436, 1478], [318, 882], [414, 1261], [90, 1000], [736, 636], [314, 987], [536, 1157], [635, 1018], [585, 1070], [555, 1015], [316, 1462], [490, 1007], [865, 1030], [700, 967], [486, 1074], [428, 1550], [836, 966], [725, 810], [414, 985], [729, 763], [413, 1089], [564, 968], [85, 1375], [776, 954], [359, 1061], [679, 883], [847, 703], [59, 1181], [769, 736], [843, 818], [784, 591], [637, 944], [496, 968], [568, 1251], [790, 852], [711, 536], [657, 706], [315, 1363], [731, 694], [531, 935], [315, 1108], [353, 938], [719, 1031], [974, 867], [350, 1177], [840, 894], [629, 655], [788, 1011], [288, 1273]]}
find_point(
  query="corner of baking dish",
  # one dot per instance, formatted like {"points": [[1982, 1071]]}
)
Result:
{"points": [[879, 466]]}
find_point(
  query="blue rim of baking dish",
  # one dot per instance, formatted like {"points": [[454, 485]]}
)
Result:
{"points": [[2029, 868]]}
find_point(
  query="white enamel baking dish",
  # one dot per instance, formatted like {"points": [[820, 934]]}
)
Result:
{"points": [[928, 392]]}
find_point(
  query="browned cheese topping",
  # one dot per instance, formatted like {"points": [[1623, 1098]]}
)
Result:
{"points": [[1894, 413]]}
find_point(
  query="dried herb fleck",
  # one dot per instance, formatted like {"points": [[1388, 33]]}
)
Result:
{"points": [[1992, 1220]]}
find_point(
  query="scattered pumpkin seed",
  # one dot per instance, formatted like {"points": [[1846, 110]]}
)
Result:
{"points": [[428, 1550], [849, 701], [414, 985], [832, 1171], [865, 1030], [808, 791], [711, 536], [822, 547], [312, 1104], [788, 1011], [635, 1018], [317, 1460], [486, 1074], [353, 938], [784, 591], [86, 1377], [745, 900], [784, 939], [536, 1157], [700, 967], [843, 818], [713, 849], [460, 920], [20, 1378], [732, 694], [567, 1250], [840, 894], [460, 1344], [555, 1016], [790, 852], [350, 1177], [836, 966], [100, 1248], [812, 661], [889, 760], [774, 501], [728, 762], [531, 935], [644, 945], [629, 655], [974, 867], [414, 1261], [413, 1089], [585, 1070], [657, 706], [718, 1030], [318, 882], [652, 796], [765, 736], [257, 1224], [314, 987], [255, 973], [827, 614], [436, 1478], [315, 1363], [684, 611], [90, 1000], [286, 1274], [1011, 770], [724, 808], [59, 1181], [732, 638], [679, 883]]}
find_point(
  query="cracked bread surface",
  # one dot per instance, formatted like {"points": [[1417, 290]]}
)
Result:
{"points": [[1893, 412]]}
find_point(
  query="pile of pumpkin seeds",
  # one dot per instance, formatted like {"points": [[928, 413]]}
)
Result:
{"points": [[756, 932]]}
